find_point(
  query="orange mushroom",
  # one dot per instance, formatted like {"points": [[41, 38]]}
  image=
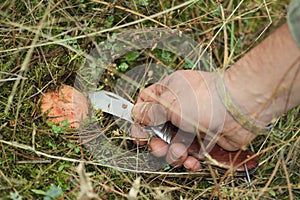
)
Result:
{"points": [[65, 103]]}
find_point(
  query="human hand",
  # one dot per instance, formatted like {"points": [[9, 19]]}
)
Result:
{"points": [[189, 100]]}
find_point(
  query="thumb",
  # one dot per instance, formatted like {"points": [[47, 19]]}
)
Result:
{"points": [[149, 113]]}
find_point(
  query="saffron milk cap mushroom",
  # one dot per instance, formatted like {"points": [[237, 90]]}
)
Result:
{"points": [[65, 103]]}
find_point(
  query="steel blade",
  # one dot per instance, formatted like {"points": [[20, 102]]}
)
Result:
{"points": [[114, 104], [111, 103]]}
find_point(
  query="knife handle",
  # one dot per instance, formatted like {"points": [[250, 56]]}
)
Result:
{"points": [[165, 131], [244, 161]]}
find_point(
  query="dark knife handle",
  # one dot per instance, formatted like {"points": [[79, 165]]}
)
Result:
{"points": [[241, 160]]}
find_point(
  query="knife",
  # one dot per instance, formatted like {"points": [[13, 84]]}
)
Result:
{"points": [[116, 105], [244, 162]]}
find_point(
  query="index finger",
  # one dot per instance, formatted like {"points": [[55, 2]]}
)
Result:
{"points": [[151, 93]]}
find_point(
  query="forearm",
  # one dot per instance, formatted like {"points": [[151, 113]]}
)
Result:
{"points": [[265, 83]]}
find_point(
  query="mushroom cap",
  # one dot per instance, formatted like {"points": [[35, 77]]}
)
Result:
{"points": [[65, 103]]}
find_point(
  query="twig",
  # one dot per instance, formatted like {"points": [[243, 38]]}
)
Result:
{"points": [[33, 161], [226, 60], [7, 180], [29, 148], [286, 176]]}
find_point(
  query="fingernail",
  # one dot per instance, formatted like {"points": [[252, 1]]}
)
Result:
{"points": [[138, 112]]}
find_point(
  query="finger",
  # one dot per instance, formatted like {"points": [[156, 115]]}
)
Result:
{"points": [[177, 154], [139, 136], [183, 137], [194, 148], [159, 110], [235, 139], [151, 114], [150, 94], [148, 110], [192, 164], [158, 147]]}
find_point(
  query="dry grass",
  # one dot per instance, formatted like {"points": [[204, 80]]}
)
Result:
{"points": [[43, 44]]}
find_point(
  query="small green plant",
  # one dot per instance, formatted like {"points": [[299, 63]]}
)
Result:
{"points": [[123, 67], [272, 192], [71, 42], [52, 145], [166, 56], [52, 193], [60, 129], [15, 196], [143, 2], [63, 166], [132, 56], [76, 148], [109, 21], [188, 64]]}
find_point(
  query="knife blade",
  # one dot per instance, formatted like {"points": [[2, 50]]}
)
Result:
{"points": [[111, 103], [118, 106]]}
